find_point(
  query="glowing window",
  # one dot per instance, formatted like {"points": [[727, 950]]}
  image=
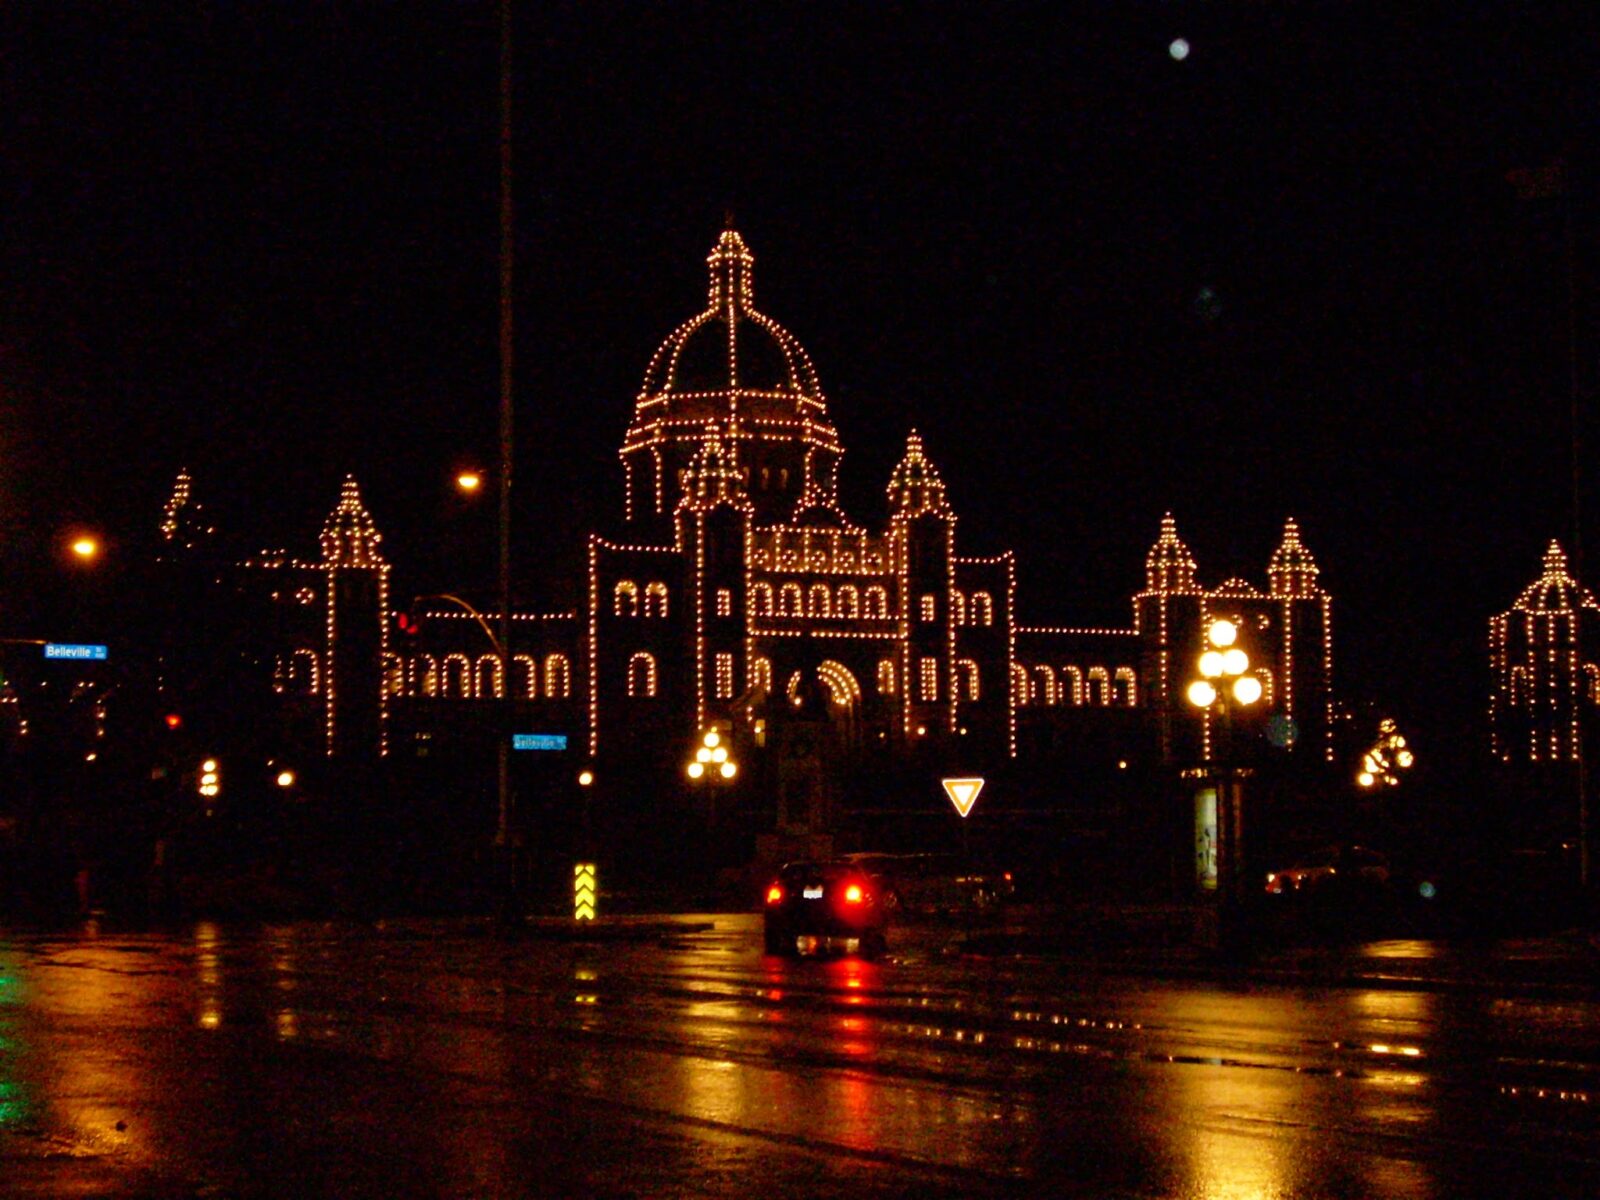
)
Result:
{"points": [[457, 676], [967, 679], [819, 602], [928, 677], [1099, 686], [790, 601], [724, 677], [930, 610], [982, 609], [1127, 688], [724, 602], [761, 599], [487, 680], [557, 676], [849, 605], [1021, 692], [1072, 678], [1049, 689], [394, 675], [625, 600], [761, 673], [424, 676], [886, 685], [524, 677], [958, 605], [655, 600], [642, 675], [877, 603]]}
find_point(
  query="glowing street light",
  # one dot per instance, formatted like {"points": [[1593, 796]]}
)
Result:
{"points": [[85, 548], [712, 759], [469, 481], [1225, 683]]}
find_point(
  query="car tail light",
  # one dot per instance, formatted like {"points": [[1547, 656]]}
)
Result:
{"points": [[1274, 884], [774, 894], [854, 894]]}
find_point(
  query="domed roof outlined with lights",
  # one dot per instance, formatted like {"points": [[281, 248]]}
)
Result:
{"points": [[1555, 591]]}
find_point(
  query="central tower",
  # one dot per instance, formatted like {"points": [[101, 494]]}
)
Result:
{"points": [[736, 374]]}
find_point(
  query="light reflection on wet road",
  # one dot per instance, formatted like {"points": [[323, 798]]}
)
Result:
{"points": [[418, 1059]]}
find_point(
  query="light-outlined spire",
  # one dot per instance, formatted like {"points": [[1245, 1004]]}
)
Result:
{"points": [[1556, 590], [731, 266], [349, 537], [1292, 572], [914, 486], [1169, 568]]}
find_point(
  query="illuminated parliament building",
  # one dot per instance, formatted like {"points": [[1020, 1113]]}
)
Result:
{"points": [[736, 593]]}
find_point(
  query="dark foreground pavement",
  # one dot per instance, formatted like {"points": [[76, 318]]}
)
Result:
{"points": [[671, 1058]]}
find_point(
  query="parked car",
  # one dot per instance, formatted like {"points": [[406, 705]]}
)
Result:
{"points": [[1330, 870], [825, 907], [933, 884]]}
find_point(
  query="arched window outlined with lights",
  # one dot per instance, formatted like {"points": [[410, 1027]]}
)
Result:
{"points": [[423, 677], [848, 607], [1099, 686], [394, 674], [886, 677], [1072, 680], [930, 608], [1049, 689], [982, 609], [642, 675], [1591, 682], [1126, 688], [303, 673], [791, 601], [557, 676], [761, 599], [655, 599], [487, 680], [819, 602], [524, 677], [928, 679], [1021, 691], [877, 602], [761, 673], [966, 679], [1521, 687], [457, 676], [958, 606], [625, 598]]}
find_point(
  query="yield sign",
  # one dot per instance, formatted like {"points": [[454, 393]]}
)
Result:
{"points": [[963, 793]]}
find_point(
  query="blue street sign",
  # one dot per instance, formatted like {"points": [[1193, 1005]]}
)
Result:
{"points": [[538, 741], [71, 650]]}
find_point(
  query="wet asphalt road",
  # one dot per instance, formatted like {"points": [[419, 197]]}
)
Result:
{"points": [[416, 1059]]}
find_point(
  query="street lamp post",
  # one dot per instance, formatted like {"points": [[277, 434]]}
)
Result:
{"points": [[1222, 686]]}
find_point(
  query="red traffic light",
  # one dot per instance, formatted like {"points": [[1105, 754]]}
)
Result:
{"points": [[174, 720], [407, 624]]}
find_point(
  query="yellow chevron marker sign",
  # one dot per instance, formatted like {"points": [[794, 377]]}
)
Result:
{"points": [[583, 892], [963, 793]]}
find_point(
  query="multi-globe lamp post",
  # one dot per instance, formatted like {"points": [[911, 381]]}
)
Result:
{"points": [[1225, 684], [712, 760]]}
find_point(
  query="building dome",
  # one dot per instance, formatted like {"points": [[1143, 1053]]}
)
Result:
{"points": [[1555, 590], [736, 370]]}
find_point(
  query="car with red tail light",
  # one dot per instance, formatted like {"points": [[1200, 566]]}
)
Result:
{"points": [[826, 907]]}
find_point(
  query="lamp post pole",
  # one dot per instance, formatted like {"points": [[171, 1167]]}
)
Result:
{"points": [[504, 840], [1223, 683]]}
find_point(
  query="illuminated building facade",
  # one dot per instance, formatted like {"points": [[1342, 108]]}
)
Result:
{"points": [[740, 594], [1543, 653]]}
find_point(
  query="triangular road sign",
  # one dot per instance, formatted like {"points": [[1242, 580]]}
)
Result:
{"points": [[963, 793]]}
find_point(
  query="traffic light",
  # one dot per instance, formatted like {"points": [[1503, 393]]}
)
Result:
{"points": [[407, 624], [210, 779], [173, 720]]}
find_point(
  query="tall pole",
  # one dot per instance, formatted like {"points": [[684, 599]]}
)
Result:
{"points": [[503, 838], [1575, 387]]}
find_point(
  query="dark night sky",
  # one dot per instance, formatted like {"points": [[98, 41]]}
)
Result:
{"points": [[259, 240]]}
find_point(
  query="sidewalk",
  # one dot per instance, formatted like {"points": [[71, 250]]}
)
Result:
{"points": [[1161, 941]]}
